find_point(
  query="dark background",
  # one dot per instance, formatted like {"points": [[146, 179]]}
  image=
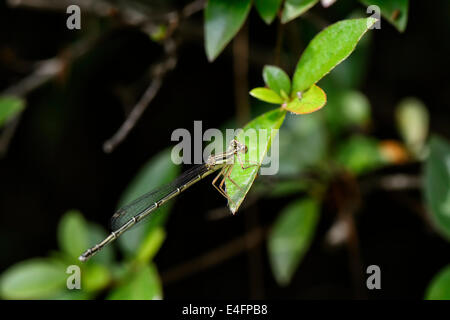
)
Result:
{"points": [[56, 163]]}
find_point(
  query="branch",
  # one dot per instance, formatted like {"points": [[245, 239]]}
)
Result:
{"points": [[44, 71], [159, 73]]}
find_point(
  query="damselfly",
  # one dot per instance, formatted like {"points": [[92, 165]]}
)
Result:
{"points": [[128, 216]]}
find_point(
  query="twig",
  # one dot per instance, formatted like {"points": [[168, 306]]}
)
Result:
{"points": [[214, 257], [161, 70], [44, 71], [159, 73]]}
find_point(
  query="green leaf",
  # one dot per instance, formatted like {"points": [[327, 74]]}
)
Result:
{"points": [[72, 234], [311, 100], [347, 109], [304, 145], [294, 8], [277, 80], [267, 9], [266, 95], [291, 237], [287, 188], [437, 184], [9, 107], [158, 171], [32, 279], [350, 73], [97, 234], [360, 154], [95, 277], [329, 48], [151, 245], [223, 19], [439, 287], [141, 284], [260, 132], [394, 11], [413, 122]]}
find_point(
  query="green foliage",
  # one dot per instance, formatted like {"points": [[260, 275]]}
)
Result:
{"points": [[360, 154], [266, 95], [294, 8], [140, 284], [265, 127], [413, 123], [10, 107], [95, 278], [329, 48], [156, 172], [223, 19], [291, 237], [394, 11], [439, 288], [277, 80], [46, 278], [304, 144], [437, 184], [311, 100], [267, 9], [151, 245], [72, 234], [347, 110], [32, 279]]}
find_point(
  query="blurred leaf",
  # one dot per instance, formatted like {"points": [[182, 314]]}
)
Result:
{"points": [[439, 287], [141, 284], [291, 237], [95, 277], [159, 34], [72, 234], [347, 109], [329, 48], [413, 123], [260, 132], [286, 188], [32, 279], [394, 11], [360, 154], [9, 107], [223, 19], [311, 100], [294, 8], [437, 184], [97, 234], [158, 171], [267, 9], [277, 80], [304, 144], [151, 245], [266, 95]]}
